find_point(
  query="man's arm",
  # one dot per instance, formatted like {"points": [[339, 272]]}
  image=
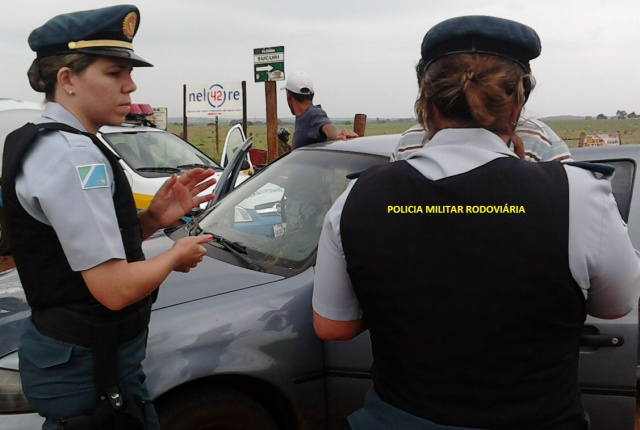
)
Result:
{"points": [[334, 133]]}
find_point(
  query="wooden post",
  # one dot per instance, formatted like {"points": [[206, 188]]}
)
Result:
{"points": [[244, 107], [184, 112], [217, 137], [272, 120], [360, 124]]}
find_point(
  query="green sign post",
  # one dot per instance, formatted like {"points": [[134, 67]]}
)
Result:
{"points": [[268, 64]]}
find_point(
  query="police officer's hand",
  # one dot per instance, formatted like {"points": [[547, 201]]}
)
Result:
{"points": [[175, 198], [190, 251], [117, 283]]}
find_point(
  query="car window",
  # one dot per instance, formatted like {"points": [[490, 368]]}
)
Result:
{"points": [[277, 215], [622, 184], [157, 150], [235, 138]]}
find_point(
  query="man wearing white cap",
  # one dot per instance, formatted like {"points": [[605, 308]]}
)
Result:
{"points": [[312, 123]]}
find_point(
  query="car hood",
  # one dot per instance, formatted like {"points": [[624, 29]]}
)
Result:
{"points": [[212, 277]]}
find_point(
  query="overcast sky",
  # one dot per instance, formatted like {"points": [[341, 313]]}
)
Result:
{"points": [[361, 54]]}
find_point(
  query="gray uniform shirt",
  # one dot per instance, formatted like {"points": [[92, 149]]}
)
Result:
{"points": [[601, 257], [67, 183]]}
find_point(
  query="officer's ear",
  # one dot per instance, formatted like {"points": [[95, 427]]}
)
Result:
{"points": [[64, 81]]}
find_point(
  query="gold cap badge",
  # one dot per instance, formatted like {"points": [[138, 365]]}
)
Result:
{"points": [[129, 25]]}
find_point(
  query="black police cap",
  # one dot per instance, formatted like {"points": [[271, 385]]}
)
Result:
{"points": [[106, 32], [483, 35]]}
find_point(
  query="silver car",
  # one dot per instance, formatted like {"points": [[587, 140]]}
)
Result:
{"points": [[231, 344]]}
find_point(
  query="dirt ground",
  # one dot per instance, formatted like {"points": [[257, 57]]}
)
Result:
{"points": [[6, 262]]}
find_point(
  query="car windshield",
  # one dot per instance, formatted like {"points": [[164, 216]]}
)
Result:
{"points": [[153, 151], [276, 217]]}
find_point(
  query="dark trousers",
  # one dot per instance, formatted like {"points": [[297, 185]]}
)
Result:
{"points": [[57, 377], [379, 415]]}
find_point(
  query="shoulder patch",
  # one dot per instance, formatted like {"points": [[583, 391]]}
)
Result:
{"points": [[93, 176]]}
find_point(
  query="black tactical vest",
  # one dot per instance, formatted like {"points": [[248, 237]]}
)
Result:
{"points": [[465, 286], [44, 271]]}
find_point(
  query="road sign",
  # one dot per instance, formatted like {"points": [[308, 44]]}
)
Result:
{"points": [[268, 64]]}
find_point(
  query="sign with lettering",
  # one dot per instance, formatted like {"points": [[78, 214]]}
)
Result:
{"points": [[211, 100], [268, 64]]}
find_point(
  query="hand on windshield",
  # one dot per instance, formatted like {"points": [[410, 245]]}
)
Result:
{"points": [[191, 251], [175, 198]]}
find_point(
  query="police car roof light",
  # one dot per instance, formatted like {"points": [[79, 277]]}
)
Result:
{"points": [[135, 110], [146, 109]]}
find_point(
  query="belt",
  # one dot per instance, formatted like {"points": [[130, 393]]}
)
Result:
{"points": [[79, 329]]}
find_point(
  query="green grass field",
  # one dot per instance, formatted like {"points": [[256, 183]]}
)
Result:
{"points": [[629, 129], [204, 136]]}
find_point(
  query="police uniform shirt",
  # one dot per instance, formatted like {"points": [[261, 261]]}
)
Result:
{"points": [[601, 257], [67, 183], [540, 142]]}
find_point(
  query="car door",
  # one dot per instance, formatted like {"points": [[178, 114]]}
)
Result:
{"points": [[234, 140], [608, 356], [609, 352], [227, 181]]}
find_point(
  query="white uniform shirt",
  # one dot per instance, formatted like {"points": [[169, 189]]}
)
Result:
{"points": [[601, 257], [50, 189]]}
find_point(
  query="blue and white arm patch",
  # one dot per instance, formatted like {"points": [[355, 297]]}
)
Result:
{"points": [[93, 176]]}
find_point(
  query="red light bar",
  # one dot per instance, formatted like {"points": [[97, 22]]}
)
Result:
{"points": [[140, 114], [146, 109], [134, 110], [140, 109]]}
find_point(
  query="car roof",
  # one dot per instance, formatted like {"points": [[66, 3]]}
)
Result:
{"points": [[383, 144], [12, 104], [128, 127], [610, 151]]}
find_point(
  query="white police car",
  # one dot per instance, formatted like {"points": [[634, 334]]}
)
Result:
{"points": [[148, 155]]}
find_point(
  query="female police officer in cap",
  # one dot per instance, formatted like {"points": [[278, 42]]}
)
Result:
{"points": [[75, 233], [475, 316]]}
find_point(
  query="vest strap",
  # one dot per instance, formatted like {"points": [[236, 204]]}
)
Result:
{"points": [[73, 327]]}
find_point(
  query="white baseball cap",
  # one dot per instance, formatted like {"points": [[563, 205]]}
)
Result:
{"points": [[299, 82]]}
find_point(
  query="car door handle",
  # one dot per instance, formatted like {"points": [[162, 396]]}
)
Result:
{"points": [[603, 340]]}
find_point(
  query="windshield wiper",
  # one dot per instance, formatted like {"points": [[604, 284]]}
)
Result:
{"points": [[158, 169], [236, 248], [194, 165]]}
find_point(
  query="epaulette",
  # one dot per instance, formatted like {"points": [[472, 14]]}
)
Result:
{"points": [[354, 175], [604, 169]]}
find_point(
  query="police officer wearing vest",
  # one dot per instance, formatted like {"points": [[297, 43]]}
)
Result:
{"points": [[475, 313], [76, 235]]}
